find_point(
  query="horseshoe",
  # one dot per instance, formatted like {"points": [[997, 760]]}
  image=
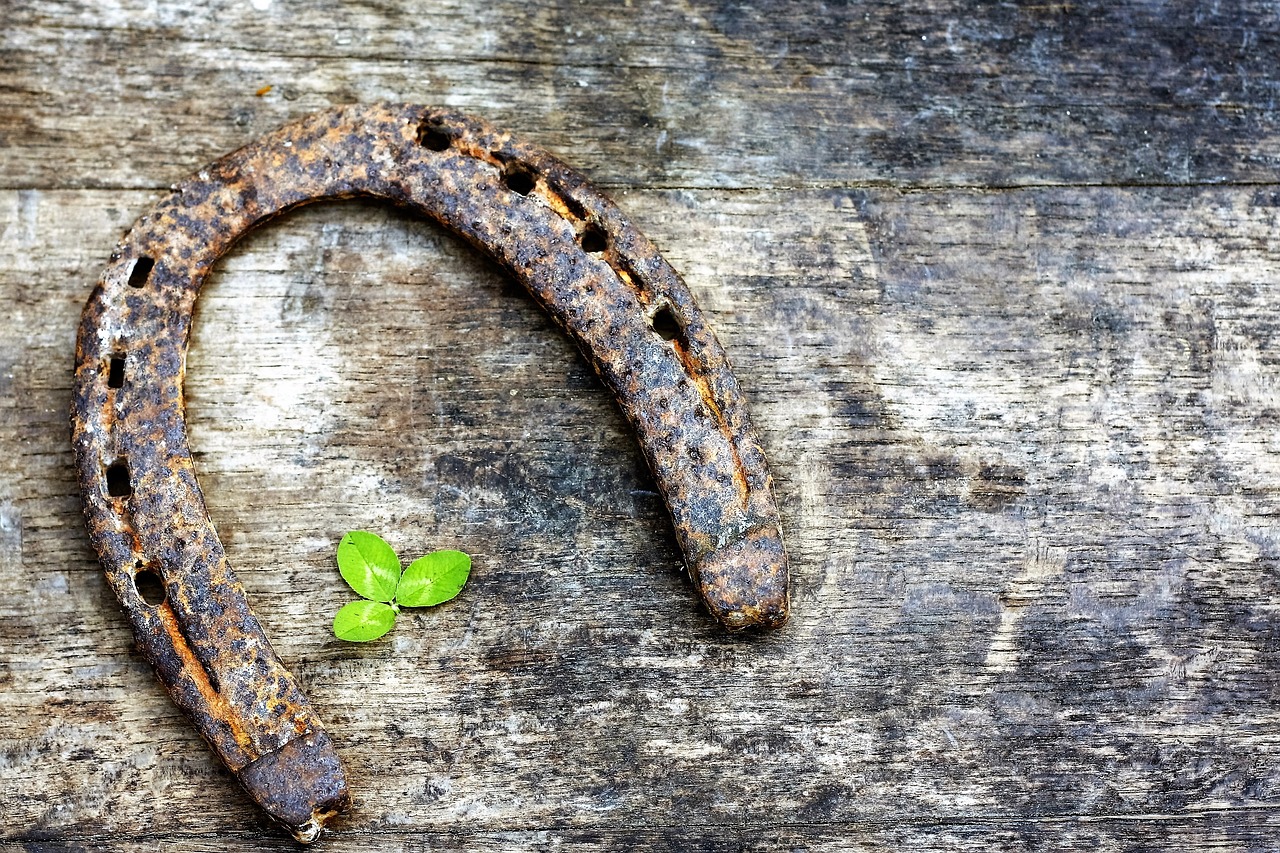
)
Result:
{"points": [[598, 278]]}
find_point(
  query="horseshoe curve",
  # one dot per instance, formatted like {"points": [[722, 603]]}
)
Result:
{"points": [[599, 279]]}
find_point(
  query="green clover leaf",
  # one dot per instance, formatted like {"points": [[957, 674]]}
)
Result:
{"points": [[362, 621], [369, 565], [433, 579]]}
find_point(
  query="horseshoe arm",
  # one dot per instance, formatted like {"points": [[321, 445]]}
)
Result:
{"points": [[600, 280]]}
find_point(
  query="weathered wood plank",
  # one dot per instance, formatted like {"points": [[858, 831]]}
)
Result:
{"points": [[1226, 830], [1036, 579], [1024, 435], [690, 94]]}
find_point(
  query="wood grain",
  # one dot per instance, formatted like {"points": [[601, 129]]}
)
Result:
{"points": [[998, 282]]}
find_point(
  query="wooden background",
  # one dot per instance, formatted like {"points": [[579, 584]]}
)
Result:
{"points": [[999, 281]]}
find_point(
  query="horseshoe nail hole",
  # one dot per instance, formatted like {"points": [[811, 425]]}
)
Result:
{"points": [[211, 675], [575, 207], [141, 271], [431, 134], [118, 485], [519, 179], [150, 587], [115, 372], [664, 323], [594, 239]]}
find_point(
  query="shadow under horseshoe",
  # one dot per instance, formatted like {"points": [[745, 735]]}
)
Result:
{"points": [[598, 278]]}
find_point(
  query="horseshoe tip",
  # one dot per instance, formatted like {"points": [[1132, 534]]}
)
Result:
{"points": [[745, 583], [300, 785]]}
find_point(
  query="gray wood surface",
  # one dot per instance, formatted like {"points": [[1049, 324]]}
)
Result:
{"points": [[1000, 282]]}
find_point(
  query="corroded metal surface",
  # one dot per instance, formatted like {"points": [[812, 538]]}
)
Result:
{"points": [[601, 281]]}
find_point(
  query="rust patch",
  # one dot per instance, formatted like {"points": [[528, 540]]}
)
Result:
{"points": [[521, 207]]}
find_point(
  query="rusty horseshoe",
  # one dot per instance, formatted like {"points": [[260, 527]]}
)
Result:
{"points": [[599, 279]]}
